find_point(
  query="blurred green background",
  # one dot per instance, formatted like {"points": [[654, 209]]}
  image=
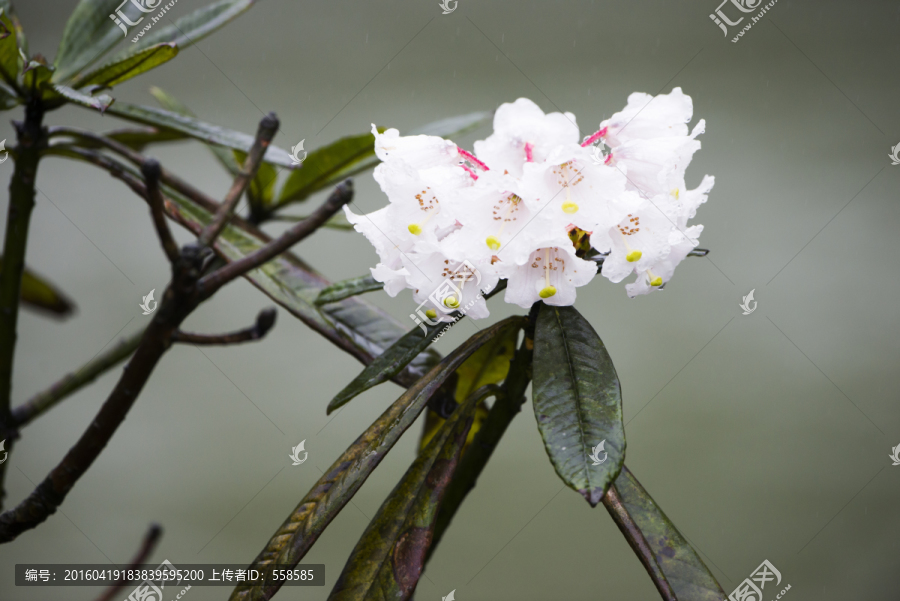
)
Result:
{"points": [[763, 436]]}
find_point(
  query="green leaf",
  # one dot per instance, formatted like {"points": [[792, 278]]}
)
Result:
{"points": [[685, 572], [195, 26], [9, 50], [489, 365], [389, 558], [577, 401], [100, 103], [130, 65], [326, 166], [347, 288], [341, 481], [225, 156], [40, 294], [262, 186], [388, 364], [138, 138], [89, 34], [195, 128]]}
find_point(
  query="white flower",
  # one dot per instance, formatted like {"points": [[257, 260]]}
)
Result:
{"points": [[648, 117], [550, 274], [457, 222], [419, 152], [524, 134], [570, 189], [445, 285]]}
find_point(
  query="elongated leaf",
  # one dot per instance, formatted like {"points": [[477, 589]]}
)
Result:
{"points": [[389, 557], [9, 50], [225, 156], [195, 128], [489, 365], [347, 288], [326, 167], [138, 138], [100, 103], [684, 570], [577, 401], [195, 26], [130, 65], [330, 164], [90, 33], [40, 294], [341, 481], [388, 364]]}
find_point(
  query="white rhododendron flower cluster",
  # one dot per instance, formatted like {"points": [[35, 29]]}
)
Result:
{"points": [[506, 211]]}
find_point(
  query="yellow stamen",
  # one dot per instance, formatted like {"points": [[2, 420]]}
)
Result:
{"points": [[675, 192], [430, 313], [451, 301], [655, 280], [569, 206], [547, 291], [493, 242], [416, 228], [633, 256]]}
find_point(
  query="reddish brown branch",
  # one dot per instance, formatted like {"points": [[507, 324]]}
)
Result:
{"points": [[267, 128], [264, 322], [151, 170], [342, 194], [150, 539]]}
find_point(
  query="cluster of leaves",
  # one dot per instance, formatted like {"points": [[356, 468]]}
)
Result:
{"points": [[576, 393]]}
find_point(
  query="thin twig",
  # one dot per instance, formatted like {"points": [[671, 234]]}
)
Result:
{"points": [[267, 128], [342, 194], [264, 322], [72, 382], [150, 539], [638, 543], [151, 170], [165, 176]]}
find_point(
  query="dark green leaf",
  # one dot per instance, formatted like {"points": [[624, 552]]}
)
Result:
{"points": [[225, 156], [130, 65], [100, 103], [138, 138], [90, 33], [684, 570], [40, 294], [262, 186], [195, 26], [389, 557], [195, 128], [326, 166], [341, 481], [347, 288], [577, 401], [9, 51], [388, 364]]}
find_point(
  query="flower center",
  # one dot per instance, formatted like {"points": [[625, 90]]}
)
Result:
{"points": [[568, 206], [547, 291], [430, 205], [512, 202], [629, 230]]}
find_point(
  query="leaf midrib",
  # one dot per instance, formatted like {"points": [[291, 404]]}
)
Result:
{"points": [[578, 410]]}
